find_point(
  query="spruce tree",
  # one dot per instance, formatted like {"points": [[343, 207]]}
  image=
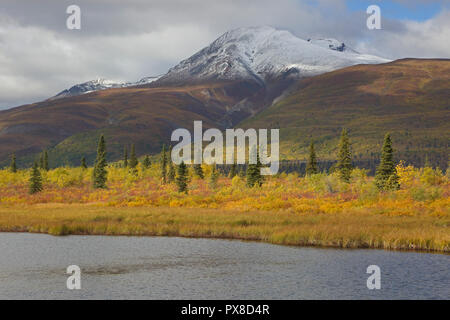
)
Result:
{"points": [[232, 172], [386, 177], [125, 157], [171, 171], [182, 177], [45, 161], [35, 179], [100, 173], [13, 165], [146, 163], [83, 163], [254, 177], [213, 177], [344, 164], [393, 182], [41, 160], [164, 164], [198, 170], [447, 171], [311, 166], [133, 160], [242, 172]]}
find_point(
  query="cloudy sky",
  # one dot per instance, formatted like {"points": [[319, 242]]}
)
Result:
{"points": [[128, 40]]}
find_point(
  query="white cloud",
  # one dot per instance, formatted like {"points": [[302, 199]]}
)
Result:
{"points": [[36, 63], [428, 39], [129, 40]]}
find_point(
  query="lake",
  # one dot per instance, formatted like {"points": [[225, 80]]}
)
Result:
{"points": [[33, 266]]}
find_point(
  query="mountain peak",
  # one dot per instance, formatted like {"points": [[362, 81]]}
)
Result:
{"points": [[260, 53]]}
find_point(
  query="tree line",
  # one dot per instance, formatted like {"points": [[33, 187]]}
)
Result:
{"points": [[386, 177]]}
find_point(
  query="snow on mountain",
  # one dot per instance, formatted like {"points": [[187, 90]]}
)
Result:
{"points": [[100, 84], [261, 53], [145, 80], [332, 44], [89, 86]]}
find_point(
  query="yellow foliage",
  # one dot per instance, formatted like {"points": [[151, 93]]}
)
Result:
{"points": [[423, 191]]}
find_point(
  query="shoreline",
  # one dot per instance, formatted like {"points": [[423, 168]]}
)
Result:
{"points": [[333, 231], [310, 246]]}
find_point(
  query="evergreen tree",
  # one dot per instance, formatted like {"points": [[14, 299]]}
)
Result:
{"points": [[213, 177], [232, 172], [386, 177], [311, 166], [35, 179], [171, 171], [133, 160], [146, 163], [83, 163], [182, 177], [344, 165], [393, 182], [13, 165], [164, 164], [198, 170], [242, 172], [125, 157], [447, 171], [45, 161], [100, 173], [41, 160], [254, 177]]}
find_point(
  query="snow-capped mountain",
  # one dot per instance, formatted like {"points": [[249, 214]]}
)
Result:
{"points": [[261, 53], [100, 84], [255, 53], [89, 86]]}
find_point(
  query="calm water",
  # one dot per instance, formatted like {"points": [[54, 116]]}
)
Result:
{"points": [[33, 266]]}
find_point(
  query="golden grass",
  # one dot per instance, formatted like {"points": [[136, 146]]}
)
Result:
{"points": [[353, 229], [317, 210]]}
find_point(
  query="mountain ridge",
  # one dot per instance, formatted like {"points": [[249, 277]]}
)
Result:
{"points": [[261, 53], [100, 84]]}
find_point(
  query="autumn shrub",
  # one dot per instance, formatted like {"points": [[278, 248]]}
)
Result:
{"points": [[312, 194]]}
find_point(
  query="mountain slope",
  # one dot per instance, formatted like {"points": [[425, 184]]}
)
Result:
{"points": [[144, 116], [409, 98], [262, 53]]}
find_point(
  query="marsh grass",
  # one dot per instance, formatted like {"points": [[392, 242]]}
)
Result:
{"points": [[316, 210], [348, 230]]}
